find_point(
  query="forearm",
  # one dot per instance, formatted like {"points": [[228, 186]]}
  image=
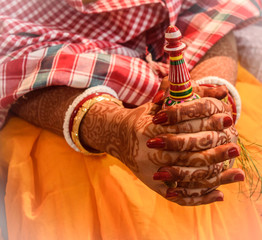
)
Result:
{"points": [[219, 61], [46, 107]]}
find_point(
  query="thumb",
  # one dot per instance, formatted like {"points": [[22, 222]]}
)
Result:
{"points": [[210, 90]]}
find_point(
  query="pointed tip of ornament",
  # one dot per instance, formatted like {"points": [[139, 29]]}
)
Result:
{"points": [[173, 33], [172, 28]]}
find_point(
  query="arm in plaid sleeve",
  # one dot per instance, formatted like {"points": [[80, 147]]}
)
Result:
{"points": [[131, 78], [220, 61], [203, 23]]}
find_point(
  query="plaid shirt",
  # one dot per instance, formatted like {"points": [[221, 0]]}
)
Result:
{"points": [[66, 42]]}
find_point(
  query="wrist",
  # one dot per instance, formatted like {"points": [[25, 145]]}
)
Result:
{"points": [[99, 127], [77, 111]]}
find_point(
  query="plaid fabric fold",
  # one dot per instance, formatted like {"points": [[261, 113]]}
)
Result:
{"points": [[80, 44], [203, 23]]}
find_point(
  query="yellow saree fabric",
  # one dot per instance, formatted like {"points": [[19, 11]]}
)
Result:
{"points": [[55, 193]]}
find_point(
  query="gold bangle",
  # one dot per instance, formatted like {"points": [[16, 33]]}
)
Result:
{"points": [[78, 119]]}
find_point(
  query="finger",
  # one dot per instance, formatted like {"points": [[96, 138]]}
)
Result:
{"points": [[187, 192], [195, 201], [232, 134], [163, 91], [229, 176], [154, 109], [188, 174], [195, 159], [216, 122], [215, 91], [189, 142], [200, 108], [159, 97]]}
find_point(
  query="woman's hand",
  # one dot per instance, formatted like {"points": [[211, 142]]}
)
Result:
{"points": [[196, 174], [195, 137]]}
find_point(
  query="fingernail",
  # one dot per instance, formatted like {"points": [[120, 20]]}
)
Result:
{"points": [[156, 143], [164, 176], [160, 118], [239, 177], [219, 199], [227, 122], [233, 152], [173, 194], [160, 94]]}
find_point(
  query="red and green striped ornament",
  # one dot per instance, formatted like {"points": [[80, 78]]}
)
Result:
{"points": [[179, 78]]}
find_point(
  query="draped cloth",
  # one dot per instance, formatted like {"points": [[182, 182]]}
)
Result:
{"points": [[66, 42], [53, 192]]}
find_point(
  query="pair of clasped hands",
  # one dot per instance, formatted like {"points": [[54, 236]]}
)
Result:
{"points": [[180, 151], [183, 148]]}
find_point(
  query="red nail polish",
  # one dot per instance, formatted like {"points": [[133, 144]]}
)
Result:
{"points": [[173, 194], [164, 176], [156, 143], [233, 152], [160, 94], [160, 118], [219, 199], [239, 177], [227, 122]]}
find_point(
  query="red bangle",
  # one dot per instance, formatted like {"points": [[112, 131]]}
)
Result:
{"points": [[79, 105]]}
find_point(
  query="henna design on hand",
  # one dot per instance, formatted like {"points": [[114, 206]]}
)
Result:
{"points": [[203, 107], [225, 177], [206, 198], [123, 133], [187, 192], [115, 133], [218, 91], [193, 174], [195, 159], [195, 141]]}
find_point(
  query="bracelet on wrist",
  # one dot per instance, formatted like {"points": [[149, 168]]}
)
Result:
{"points": [[78, 109]]}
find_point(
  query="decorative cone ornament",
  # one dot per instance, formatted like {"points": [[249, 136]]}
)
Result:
{"points": [[179, 78]]}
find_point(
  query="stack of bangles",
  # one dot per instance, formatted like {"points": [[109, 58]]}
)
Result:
{"points": [[78, 109]]}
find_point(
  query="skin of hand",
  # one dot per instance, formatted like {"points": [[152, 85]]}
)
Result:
{"points": [[188, 142], [191, 189], [194, 182], [220, 61]]}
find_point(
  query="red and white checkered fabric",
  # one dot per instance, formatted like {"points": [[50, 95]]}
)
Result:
{"points": [[66, 42]]}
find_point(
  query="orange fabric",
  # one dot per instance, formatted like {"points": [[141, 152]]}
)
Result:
{"points": [[55, 193]]}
